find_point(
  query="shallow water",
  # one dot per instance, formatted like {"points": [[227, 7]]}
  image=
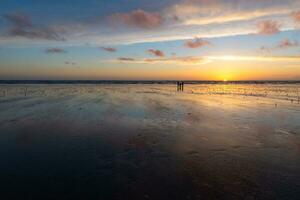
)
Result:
{"points": [[214, 141]]}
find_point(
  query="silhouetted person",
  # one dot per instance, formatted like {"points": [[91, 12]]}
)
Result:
{"points": [[180, 86]]}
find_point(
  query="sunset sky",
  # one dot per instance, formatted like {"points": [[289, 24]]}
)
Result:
{"points": [[157, 39]]}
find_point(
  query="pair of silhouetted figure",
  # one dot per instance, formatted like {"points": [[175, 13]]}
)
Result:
{"points": [[180, 86]]}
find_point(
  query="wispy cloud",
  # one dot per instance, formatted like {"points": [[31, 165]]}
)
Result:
{"points": [[265, 49], [109, 49], [22, 26], [179, 20], [126, 59], [201, 60], [137, 18], [268, 27], [155, 52], [283, 44], [196, 43], [55, 50], [70, 63], [232, 58], [286, 43], [204, 12], [19, 19], [188, 60]]}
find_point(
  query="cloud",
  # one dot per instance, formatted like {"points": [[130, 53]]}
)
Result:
{"points": [[138, 18], [296, 16], [188, 60], [109, 49], [179, 20], [268, 27], [232, 58], [197, 60], [55, 50], [204, 12], [19, 19], [157, 53], [265, 49], [286, 43], [70, 63], [22, 26], [126, 59], [196, 43], [283, 44]]}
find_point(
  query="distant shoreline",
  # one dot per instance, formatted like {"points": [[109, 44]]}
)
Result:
{"points": [[142, 82]]}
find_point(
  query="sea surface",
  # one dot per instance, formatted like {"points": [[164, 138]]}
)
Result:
{"points": [[147, 140]]}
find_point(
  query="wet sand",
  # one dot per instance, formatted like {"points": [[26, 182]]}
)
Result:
{"points": [[150, 142]]}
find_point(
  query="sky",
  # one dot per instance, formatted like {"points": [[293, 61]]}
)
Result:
{"points": [[150, 40]]}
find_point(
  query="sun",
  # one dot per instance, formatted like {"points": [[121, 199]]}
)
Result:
{"points": [[224, 80]]}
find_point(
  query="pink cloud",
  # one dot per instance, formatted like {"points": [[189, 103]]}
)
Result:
{"points": [[296, 16], [22, 26], [19, 19], [196, 43], [157, 53], [268, 27], [138, 18], [109, 49], [283, 44], [286, 43]]}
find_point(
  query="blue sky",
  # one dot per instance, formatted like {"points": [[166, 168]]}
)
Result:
{"points": [[139, 39]]}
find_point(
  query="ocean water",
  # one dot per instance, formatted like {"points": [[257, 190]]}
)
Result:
{"points": [[150, 141]]}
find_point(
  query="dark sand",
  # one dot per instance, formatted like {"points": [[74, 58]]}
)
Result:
{"points": [[149, 142]]}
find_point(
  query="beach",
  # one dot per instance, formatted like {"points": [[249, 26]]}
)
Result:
{"points": [[150, 141]]}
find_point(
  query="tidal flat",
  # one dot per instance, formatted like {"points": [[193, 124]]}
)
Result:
{"points": [[150, 141]]}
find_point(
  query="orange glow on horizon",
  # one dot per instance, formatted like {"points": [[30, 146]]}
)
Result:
{"points": [[227, 68]]}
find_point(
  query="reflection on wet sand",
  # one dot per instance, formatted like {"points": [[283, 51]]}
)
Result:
{"points": [[150, 142]]}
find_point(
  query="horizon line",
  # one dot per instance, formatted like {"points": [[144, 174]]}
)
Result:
{"points": [[114, 81]]}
